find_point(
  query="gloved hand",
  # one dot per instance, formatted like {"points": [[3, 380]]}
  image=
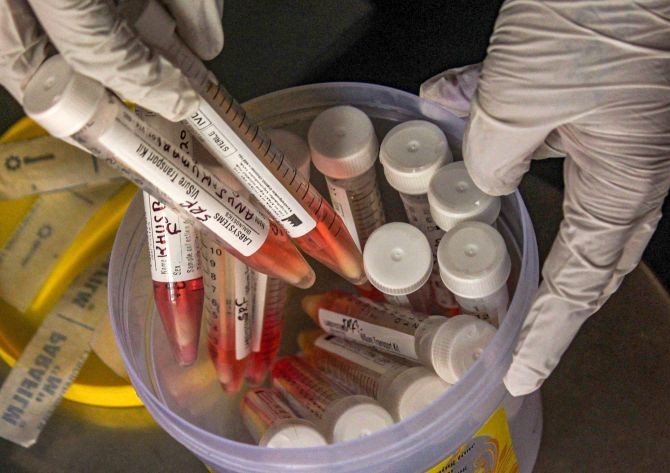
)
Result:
{"points": [[590, 80], [97, 42]]}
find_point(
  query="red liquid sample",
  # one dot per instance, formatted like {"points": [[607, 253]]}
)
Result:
{"points": [[262, 360], [179, 305], [221, 345]]}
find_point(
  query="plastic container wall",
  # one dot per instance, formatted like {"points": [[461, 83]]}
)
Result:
{"points": [[182, 399]]}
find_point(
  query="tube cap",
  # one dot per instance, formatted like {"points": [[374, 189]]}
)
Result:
{"points": [[356, 416], [454, 198], [343, 143], [296, 433], [473, 260], [411, 153], [294, 148], [457, 344], [397, 259], [412, 390], [60, 100]]}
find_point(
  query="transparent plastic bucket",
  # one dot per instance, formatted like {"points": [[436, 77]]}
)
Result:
{"points": [[188, 402]]}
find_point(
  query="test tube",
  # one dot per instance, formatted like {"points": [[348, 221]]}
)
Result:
{"points": [[474, 265], [273, 424], [398, 261], [454, 198], [447, 345], [272, 293], [68, 104], [402, 388], [344, 148], [411, 154], [231, 136], [228, 305], [340, 416], [174, 255]]}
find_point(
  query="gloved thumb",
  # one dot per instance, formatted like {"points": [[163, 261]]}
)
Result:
{"points": [[199, 25], [453, 88]]}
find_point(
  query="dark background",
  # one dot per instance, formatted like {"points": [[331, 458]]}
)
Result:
{"points": [[398, 44]]}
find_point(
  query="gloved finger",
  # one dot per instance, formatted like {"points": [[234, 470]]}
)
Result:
{"points": [[98, 43], [199, 25], [605, 229], [453, 88], [23, 46]]}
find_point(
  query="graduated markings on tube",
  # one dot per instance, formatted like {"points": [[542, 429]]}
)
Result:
{"points": [[144, 151], [51, 360], [341, 205], [384, 338], [217, 136]]}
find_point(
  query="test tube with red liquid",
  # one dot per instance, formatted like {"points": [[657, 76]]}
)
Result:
{"points": [[174, 253], [231, 136], [228, 305]]}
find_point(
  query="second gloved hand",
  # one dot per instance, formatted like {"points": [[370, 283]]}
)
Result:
{"points": [[96, 41], [590, 81]]}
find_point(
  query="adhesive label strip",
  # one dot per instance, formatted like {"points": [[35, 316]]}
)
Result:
{"points": [[47, 164], [341, 205], [53, 357], [37, 244]]}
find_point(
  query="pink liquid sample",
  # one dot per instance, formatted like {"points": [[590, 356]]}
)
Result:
{"points": [[179, 305]]}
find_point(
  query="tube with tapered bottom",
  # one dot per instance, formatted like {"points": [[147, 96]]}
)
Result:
{"points": [[174, 255], [340, 416], [68, 104], [447, 345], [231, 136], [228, 305], [402, 388]]}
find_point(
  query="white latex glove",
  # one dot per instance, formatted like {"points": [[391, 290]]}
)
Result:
{"points": [[592, 79], [97, 42]]}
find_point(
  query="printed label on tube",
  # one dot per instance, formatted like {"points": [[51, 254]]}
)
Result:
{"points": [[224, 212], [358, 354], [174, 252], [241, 300], [340, 201], [360, 331], [215, 134]]}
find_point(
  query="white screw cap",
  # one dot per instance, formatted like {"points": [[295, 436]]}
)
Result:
{"points": [[294, 148], [397, 259], [60, 100], [342, 142], [296, 433], [354, 417], [454, 198], [411, 153], [473, 260], [457, 344], [412, 390]]}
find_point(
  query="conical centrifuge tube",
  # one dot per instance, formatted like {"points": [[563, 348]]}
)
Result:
{"points": [[339, 415], [411, 154], [68, 104], [232, 137], [447, 345], [273, 424], [344, 147], [402, 388], [398, 261], [174, 255], [272, 293], [228, 305]]}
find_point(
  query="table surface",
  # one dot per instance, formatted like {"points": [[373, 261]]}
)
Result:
{"points": [[605, 408]]}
